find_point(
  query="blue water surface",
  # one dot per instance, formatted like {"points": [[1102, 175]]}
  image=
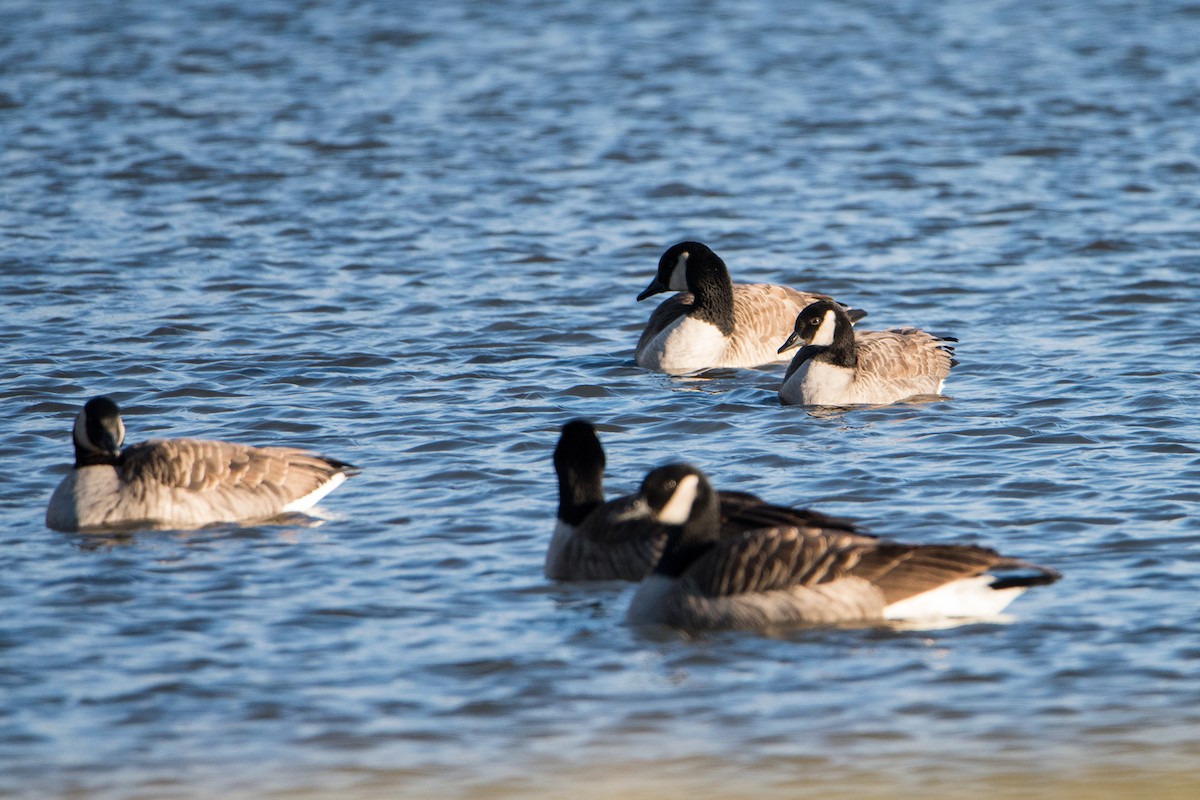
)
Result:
{"points": [[410, 235]]}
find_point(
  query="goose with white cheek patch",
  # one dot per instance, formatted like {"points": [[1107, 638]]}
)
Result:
{"points": [[839, 366], [180, 483], [714, 322], [596, 540], [792, 576]]}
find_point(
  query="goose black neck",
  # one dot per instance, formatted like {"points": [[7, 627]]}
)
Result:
{"points": [[690, 541], [92, 458], [579, 464], [709, 282], [805, 353], [842, 352], [579, 493]]}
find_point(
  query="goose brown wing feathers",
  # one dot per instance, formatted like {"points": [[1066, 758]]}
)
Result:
{"points": [[783, 558], [585, 559], [904, 353], [742, 511], [267, 478], [617, 541], [901, 570], [774, 559], [763, 316]]}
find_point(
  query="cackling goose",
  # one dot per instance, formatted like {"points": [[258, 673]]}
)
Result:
{"points": [[839, 366]]}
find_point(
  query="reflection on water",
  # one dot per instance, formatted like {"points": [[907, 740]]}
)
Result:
{"points": [[289, 527]]}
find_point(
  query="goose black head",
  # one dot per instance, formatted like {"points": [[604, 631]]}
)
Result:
{"points": [[679, 266], [99, 432], [579, 463], [678, 494], [680, 497], [817, 325]]}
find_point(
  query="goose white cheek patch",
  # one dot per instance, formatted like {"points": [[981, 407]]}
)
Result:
{"points": [[678, 281], [80, 432], [824, 334], [679, 507]]}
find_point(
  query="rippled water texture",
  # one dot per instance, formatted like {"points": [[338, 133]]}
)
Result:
{"points": [[410, 235]]}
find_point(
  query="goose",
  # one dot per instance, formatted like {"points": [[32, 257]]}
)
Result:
{"points": [[617, 540], [714, 322], [790, 575], [180, 483], [838, 366]]}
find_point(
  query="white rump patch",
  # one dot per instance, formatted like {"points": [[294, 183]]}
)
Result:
{"points": [[678, 282], [312, 498], [80, 432], [967, 597], [679, 507], [824, 334]]}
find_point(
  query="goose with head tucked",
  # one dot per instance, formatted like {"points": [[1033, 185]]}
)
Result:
{"points": [[180, 483], [840, 366], [618, 539], [714, 322], [789, 576]]}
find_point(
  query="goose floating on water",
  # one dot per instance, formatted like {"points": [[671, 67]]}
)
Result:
{"points": [[181, 483], [618, 540], [714, 322], [839, 366], [789, 576]]}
